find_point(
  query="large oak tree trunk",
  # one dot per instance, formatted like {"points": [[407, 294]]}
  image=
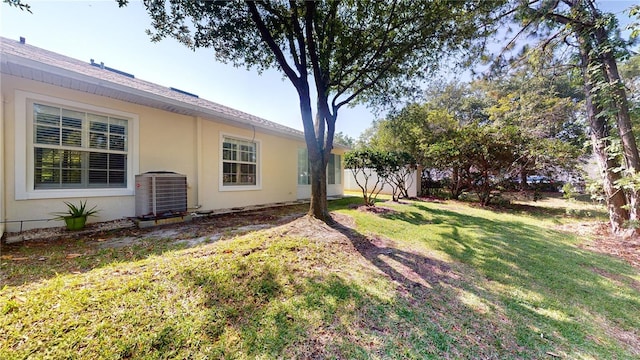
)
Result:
{"points": [[318, 208], [615, 198], [599, 63], [623, 122], [319, 141], [317, 160]]}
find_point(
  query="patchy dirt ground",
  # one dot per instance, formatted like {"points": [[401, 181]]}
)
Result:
{"points": [[289, 219], [415, 275], [57, 251], [606, 243], [120, 232]]}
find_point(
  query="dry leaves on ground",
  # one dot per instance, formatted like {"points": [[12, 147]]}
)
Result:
{"points": [[603, 241]]}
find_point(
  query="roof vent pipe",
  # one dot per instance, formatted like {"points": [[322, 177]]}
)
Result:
{"points": [[23, 40]]}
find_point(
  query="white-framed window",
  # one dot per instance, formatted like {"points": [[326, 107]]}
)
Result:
{"points": [[69, 149], [304, 170], [240, 164], [76, 149]]}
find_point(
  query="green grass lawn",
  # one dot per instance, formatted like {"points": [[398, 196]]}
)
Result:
{"points": [[422, 280]]}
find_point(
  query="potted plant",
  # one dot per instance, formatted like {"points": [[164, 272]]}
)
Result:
{"points": [[76, 216]]}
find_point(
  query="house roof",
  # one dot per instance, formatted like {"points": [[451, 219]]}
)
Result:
{"points": [[26, 61]]}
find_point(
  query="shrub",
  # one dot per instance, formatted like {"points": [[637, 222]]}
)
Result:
{"points": [[569, 191]]}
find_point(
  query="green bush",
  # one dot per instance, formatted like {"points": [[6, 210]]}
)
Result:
{"points": [[569, 191]]}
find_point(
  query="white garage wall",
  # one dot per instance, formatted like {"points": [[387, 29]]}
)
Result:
{"points": [[351, 185]]}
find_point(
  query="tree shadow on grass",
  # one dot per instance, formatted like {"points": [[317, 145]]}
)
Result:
{"points": [[545, 212], [411, 217], [560, 290], [255, 309], [431, 290], [523, 251], [255, 306]]}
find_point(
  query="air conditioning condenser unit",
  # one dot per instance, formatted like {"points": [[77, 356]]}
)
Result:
{"points": [[160, 194]]}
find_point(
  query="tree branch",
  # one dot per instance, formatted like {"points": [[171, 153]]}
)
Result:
{"points": [[268, 39], [299, 36]]}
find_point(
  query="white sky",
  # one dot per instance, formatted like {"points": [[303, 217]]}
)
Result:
{"points": [[101, 31]]}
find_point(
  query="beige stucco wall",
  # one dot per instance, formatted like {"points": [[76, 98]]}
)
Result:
{"points": [[110, 208], [166, 141], [277, 168]]}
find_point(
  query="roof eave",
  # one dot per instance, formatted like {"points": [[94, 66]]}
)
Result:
{"points": [[11, 61]]}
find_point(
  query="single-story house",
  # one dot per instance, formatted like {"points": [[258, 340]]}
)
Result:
{"points": [[75, 131]]}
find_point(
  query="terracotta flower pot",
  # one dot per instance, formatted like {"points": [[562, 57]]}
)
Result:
{"points": [[75, 223]]}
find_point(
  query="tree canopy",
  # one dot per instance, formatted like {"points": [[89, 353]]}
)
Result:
{"points": [[334, 53], [490, 134], [592, 38]]}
